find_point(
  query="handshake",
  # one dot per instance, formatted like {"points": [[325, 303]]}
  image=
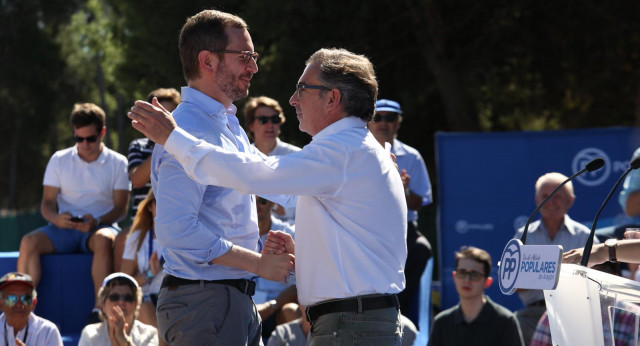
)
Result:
{"points": [[277, 261]]}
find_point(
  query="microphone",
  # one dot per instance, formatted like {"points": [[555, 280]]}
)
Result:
{"points": [[586, 253], [594, 165]]}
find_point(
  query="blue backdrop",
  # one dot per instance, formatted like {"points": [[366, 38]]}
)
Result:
{"points": [[486, 188]]}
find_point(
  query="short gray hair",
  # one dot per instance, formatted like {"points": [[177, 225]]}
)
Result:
{"points": [[353, 75]]}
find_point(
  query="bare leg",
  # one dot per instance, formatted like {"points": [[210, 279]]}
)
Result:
{"points": [[33, 245], [118, 248], [101, 244]]}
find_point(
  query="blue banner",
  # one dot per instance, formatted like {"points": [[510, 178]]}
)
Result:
{"points": [[486, 188]]}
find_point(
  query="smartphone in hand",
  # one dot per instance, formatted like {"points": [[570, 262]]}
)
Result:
{"points": [[77, 219]]}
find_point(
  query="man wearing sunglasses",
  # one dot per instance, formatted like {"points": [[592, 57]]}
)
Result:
{"points": [[85, 192], [18, 324], [384, 126], [351, 214], [476, 320]]}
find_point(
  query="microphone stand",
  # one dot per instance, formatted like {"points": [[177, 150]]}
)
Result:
{"points": [[586, 253]]}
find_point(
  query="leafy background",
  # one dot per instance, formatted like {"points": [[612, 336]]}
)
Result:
{"points": [[454, 65]]}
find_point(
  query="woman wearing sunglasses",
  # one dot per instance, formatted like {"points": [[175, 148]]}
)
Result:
{"points": [[263, 118], [120, 298]]}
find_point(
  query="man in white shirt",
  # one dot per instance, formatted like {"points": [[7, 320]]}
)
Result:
{"points": [[351, 212], [20, 326], [85, 192]]}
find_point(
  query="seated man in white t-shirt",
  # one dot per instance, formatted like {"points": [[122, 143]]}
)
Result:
{"points": [[86, 191]]}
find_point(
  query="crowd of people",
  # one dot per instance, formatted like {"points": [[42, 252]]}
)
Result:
{"points": [[219, 211]]}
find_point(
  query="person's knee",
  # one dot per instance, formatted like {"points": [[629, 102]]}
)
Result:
{"points": [[121, 238], [102, 240], [34, 243]]}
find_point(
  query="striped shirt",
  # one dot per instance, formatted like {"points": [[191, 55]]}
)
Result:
{"points": [[139, 150]]}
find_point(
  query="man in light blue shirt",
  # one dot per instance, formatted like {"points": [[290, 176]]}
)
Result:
{"points": [[384, 126], [210, 233]]}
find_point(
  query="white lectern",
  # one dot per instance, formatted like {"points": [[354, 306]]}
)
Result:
{"points": [[588, 305]]}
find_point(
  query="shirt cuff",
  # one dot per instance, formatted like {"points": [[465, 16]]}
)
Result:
{"points": [[179, 142]]}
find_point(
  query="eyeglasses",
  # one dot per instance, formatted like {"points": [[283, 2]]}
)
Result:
{"points": [[90, 139], [262, 201], [472, 275], [114, 298], [246, 54], [263, 119], [389, 118], [12, 299], [301, 87]]}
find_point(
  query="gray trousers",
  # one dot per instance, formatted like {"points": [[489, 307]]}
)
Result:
{"points": [[373, 327], [207, 314]]}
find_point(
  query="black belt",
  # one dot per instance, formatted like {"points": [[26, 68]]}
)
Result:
{"points": [[247, 287], [538, 303], [355, 304]]}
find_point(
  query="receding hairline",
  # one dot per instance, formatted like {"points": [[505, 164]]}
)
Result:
{"points": [[554, 177]]}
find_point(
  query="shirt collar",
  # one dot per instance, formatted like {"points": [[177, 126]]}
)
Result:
{"points": [[101, 158], [340, 125], [398, 148], [207, 104]]}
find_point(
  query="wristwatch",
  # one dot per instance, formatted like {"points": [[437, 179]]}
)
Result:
{"points": [[273, 303], [611, 244]]}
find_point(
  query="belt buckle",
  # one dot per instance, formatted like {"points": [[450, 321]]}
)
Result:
{"points": [[307, 311]]}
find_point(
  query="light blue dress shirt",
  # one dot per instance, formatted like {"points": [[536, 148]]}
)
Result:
{"points": [[197, 223], [409, 159]]}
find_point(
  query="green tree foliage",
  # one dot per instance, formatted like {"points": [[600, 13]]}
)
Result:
{"points": [[453, 65], [92, 52], [30, 97]]}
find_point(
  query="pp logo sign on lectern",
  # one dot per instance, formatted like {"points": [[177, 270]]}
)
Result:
{"points": [[529, 267], [509, 264]]}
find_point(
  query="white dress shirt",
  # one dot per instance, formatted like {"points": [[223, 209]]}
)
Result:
{"points": [[351, 214]]}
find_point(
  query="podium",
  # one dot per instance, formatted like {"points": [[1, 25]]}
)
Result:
{"points": [[593, 308]]}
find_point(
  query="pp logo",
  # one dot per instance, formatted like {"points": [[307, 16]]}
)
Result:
{"points": [[583, 157], [509, 266]]}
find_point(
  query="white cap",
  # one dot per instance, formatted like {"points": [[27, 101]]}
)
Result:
{"points": [[119, 275]]}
